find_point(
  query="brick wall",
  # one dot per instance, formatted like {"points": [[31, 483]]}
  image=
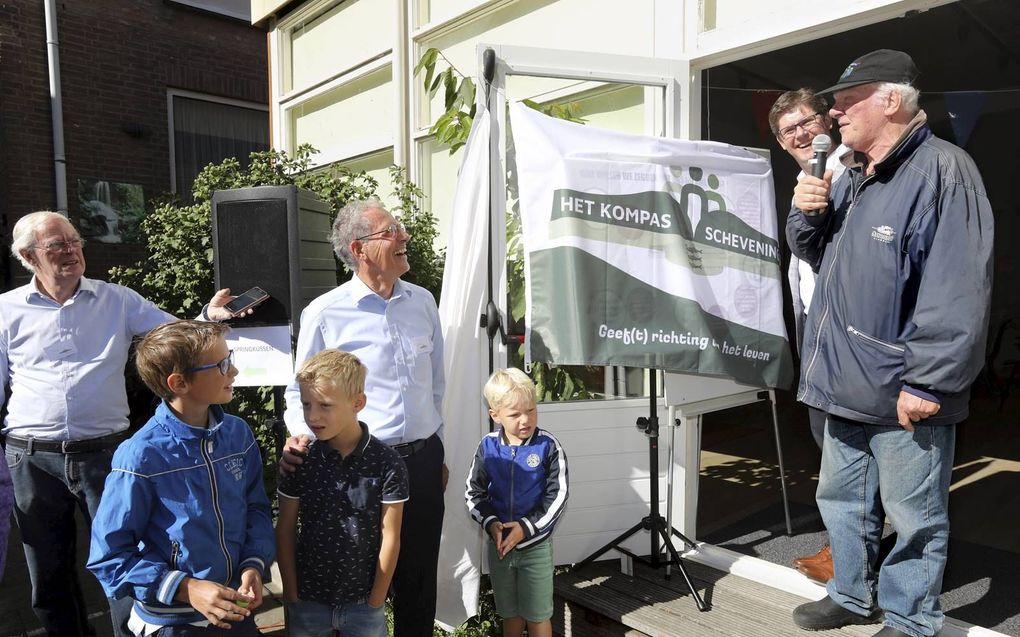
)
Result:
{"points": [[117, 59]]}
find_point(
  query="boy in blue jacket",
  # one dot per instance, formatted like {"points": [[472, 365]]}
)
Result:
{"points": [[184, 526], [517, 489]]}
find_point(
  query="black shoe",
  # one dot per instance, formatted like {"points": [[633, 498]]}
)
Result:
{"points": [[826, 614], [889, 631]]}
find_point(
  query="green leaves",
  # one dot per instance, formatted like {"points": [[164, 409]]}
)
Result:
{"points": [[454, 125]]}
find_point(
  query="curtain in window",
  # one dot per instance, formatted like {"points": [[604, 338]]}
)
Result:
{"points": [[209, 132]]}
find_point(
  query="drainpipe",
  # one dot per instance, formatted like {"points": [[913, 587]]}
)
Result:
{"points": [[56, 109], [402, 83]]}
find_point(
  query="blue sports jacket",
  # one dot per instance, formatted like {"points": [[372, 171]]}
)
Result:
{"points": [[181, 501], [524, 483], [904, 262]]}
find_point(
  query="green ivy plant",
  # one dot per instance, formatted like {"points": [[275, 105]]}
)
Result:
{"points": [[454, 125]]}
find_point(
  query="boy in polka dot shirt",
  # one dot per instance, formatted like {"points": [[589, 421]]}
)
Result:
{"points": [[348, 496]]}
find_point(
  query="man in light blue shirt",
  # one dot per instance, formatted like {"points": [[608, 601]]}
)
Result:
{"points": [[393, 327], [64, 341]]}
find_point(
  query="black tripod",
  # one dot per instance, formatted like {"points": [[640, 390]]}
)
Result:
{"points": [[653, 522]]}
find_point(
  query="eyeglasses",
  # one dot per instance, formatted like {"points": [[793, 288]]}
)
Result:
{"points": [[389, 232], [61, 246], [223, 365], [807, 123]]}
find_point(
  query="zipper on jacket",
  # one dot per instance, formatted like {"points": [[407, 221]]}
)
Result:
{"points": [[175, 553], [871, 339], [206, 448], [513, 463], [828, 278]]}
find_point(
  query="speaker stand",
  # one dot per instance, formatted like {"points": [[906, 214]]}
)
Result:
{"points": [[654, 522]]}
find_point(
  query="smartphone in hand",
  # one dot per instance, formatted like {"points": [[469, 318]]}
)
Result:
{"points": [[246, 301]]}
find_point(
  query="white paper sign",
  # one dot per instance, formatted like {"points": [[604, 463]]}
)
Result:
{"points": [[262, 355]]}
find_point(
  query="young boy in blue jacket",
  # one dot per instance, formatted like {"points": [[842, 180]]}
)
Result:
{"points": [[184, 526], [517, 489]]}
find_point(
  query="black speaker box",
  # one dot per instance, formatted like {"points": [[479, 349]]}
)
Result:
{"points": [[275, 237]]}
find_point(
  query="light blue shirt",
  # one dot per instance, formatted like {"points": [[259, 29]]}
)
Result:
{"points": [[65, 363], [400, 342]]}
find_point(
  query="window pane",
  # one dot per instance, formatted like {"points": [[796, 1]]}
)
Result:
{"points": [[209, 132], [325, 121], [377, 166]]}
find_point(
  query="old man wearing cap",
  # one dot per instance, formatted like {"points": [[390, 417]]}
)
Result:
{"points": [[895, 337]]}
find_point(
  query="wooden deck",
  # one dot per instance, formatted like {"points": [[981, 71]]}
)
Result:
{"points": [[599, 601]]}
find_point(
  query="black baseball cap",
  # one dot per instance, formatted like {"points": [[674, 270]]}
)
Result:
{"points": [[883, 65]]}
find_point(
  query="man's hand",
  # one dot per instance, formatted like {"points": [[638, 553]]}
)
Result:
{"points": [[294, 452], [811, 194], [911, 408], [217, 312], [214, 601], [446, 476], [511, 539], [251, 587]]}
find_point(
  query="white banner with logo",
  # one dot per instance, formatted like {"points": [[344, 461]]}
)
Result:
{"points": [[649, 252]]}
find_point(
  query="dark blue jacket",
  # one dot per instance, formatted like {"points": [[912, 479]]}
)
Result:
{"points": [[525, 483], [904, 260]]}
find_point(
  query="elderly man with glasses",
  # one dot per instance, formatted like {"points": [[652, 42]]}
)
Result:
{"points": [[393, 327], [895, 338], [64, 342]]}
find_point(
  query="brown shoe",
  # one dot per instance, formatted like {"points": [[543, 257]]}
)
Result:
{"points": [[825, 555], [819, 570]]}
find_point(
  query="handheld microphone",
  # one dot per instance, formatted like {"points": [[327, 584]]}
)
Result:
{"points": [[820, 144]]}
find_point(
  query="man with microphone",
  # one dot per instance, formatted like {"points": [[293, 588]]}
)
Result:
{"points": [[800, 121], [895, 337]]}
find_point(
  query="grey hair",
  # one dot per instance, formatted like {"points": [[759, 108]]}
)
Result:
{"points": [[350, 223], [24, 233], [909, 95]]}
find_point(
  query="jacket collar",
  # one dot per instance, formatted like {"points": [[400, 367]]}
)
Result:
{"points": [[915, 134], [182, 430], [503, 439]]}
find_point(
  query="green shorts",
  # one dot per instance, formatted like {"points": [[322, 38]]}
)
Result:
{"points": [[523, 581]]}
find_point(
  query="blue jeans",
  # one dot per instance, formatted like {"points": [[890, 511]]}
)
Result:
{"points": [[357, 619], [6, 507], [48, 487], [870, 472]]}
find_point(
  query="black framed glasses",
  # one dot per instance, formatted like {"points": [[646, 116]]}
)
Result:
{"points": [[223, 365], [388, 232], [61, 246], [808, 122]]}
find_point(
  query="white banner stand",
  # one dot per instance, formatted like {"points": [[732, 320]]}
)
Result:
{"points": [[688, 397]]}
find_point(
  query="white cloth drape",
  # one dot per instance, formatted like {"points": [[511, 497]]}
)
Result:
{"points": [[462, 302]]}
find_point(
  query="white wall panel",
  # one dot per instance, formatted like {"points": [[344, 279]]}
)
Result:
{"points": [[609, 467], [340, 39], [347, 121]]}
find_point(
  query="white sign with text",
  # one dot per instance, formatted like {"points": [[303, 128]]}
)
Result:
{"points": [[262, 355]]}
